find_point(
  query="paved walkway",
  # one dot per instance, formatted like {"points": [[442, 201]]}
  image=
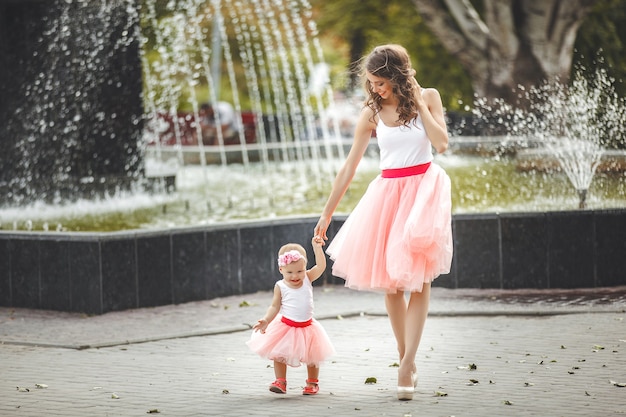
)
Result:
{"points": [[484, 353]]}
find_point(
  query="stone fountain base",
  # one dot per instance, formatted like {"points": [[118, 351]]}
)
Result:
{"points": [[95, 273]]}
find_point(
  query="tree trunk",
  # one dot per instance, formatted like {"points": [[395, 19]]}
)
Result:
{"points": [[515, 43], [357, 49]]}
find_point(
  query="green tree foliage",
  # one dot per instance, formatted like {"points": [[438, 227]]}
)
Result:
{"points": [[350, 28], [601, 41], [365, 24], [601, 37]]}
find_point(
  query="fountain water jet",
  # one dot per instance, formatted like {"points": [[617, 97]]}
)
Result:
{"points": [[277, 47], [575, 124], [71, 110]]}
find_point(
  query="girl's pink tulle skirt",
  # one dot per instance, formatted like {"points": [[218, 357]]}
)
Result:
{"points": [[399, 236], [292, 345]]}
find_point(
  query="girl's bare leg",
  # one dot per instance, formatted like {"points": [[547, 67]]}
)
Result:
{"points": [[280, 370], [313, 373], [280, 385]]}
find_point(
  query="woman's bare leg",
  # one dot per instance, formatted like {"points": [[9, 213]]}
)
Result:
{"points": [[397, 312], [416, 315], [407, 323]]}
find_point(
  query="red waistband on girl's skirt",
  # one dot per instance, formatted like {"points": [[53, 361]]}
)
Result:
{"points": [[296, 323], [405, 172]]}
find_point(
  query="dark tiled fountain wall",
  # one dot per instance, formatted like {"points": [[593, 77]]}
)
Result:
{"points": [[101, 272]]}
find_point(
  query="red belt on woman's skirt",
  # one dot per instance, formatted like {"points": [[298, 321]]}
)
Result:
{"points": [[296, 323], [405, 172]]}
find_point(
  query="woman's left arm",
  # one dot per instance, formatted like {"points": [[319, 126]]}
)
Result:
{"points": [[431, 110]]}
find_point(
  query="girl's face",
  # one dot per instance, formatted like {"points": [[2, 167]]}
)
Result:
{"points": [[294, 273], [380, 86]]}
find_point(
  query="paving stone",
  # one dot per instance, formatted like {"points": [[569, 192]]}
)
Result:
{"points": [[534, 354]]}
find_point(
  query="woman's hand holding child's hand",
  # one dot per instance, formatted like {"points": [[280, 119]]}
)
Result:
{"points": [[320, 229]]}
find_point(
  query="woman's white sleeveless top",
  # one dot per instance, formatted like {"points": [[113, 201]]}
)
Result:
{"points": [[403, 146]]}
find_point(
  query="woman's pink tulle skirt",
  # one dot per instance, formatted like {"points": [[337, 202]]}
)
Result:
{"points": [[292, 345], [399, 236]]}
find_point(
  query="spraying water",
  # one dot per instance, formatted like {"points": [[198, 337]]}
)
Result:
{"points": [[575, 124], [268, 52], [260, 54], [196, 40]]}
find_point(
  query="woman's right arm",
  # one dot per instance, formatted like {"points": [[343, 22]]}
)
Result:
{"points": [[362, 134]]}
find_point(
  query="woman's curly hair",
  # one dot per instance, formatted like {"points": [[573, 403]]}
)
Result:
{"points": [[392, 62]]}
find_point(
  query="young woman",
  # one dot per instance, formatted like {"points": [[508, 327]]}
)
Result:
{"points": [[398, 238]]}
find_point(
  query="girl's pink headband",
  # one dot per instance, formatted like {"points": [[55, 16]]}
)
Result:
{"points": [[289, 257]]}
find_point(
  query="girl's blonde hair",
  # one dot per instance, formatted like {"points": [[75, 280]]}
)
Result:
{"points": [[392, 62], [292, 246]]}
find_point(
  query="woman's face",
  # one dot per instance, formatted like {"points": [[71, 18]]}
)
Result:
{"points": [[380, 86]]}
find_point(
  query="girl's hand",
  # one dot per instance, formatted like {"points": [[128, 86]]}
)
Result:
{"points": [[317, 241], [260, 326]]}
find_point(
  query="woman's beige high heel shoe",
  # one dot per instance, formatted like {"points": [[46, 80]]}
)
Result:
{"points": [[405, 393]]}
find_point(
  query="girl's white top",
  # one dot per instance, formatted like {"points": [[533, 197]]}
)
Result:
{"points": [[403, 146], [297, 303]]}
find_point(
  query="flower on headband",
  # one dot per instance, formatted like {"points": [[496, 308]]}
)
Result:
{"points": [[289, 257]]}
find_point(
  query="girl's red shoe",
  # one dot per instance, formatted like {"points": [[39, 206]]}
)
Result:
{"points": [[311, 390], [279, 386]]}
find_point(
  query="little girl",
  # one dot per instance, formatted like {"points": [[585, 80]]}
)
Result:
{"points": [[296, 337]]}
